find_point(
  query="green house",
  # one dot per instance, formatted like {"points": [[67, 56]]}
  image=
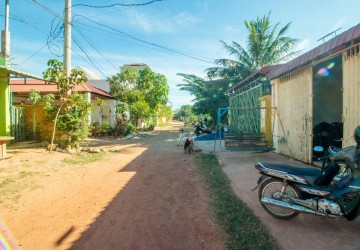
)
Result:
{"points": [[5, 95]]}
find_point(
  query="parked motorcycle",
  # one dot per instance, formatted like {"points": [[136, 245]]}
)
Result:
{"points": [[286, 191], [198, 130]]}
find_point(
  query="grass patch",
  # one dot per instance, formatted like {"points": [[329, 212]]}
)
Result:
{"points": [[25, 174], [244, 230], [84, 158], [12, 186]]}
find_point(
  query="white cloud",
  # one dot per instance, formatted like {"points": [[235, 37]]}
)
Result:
{"points": [[150, 24], [303, 45], [185, 18], [339, 24]]}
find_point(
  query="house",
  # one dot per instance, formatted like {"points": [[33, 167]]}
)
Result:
{"points": [[316, 97], [24, 127], [5, 96]]}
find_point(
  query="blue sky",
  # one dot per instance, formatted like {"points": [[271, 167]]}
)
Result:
{"points": [[193, 27]]}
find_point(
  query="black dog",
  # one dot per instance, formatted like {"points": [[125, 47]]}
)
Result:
{"points": [[188, 146]]}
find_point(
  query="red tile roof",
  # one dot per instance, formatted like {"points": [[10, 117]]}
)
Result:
{"points": [[21, 86], [98, 91], [332, 46]]}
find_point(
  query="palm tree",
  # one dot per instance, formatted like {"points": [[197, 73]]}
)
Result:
{"points": [[265, 46]]}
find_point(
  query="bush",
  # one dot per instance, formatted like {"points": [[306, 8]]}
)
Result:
{"points": [[151, 127], [130, 128]]}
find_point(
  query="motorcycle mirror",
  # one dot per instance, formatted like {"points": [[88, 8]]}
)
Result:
{"points": [[318, 149]]}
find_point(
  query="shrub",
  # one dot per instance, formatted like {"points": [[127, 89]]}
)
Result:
{"points": [[130, 128]]}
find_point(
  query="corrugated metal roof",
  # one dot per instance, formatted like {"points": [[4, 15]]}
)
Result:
{"points": [[330, 47], [20, 73], [20, 86], [263, 71]]}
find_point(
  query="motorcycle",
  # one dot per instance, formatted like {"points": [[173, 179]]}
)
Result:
{"points": [[198, 130], [285, 191]]}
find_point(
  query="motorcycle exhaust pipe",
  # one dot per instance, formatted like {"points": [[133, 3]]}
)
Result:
{"points": [[295, 207]]}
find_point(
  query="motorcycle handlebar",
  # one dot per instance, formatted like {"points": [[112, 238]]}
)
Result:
{"points": [[323, 158]]}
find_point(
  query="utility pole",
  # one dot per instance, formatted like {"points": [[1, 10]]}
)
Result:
{"points": [[5, 37], [67, 37]]}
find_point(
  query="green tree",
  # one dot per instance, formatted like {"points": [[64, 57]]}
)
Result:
{"points": [[185, 114], [72, 113], [209, 95], [266, 45], [144, 92], [166, 111]]}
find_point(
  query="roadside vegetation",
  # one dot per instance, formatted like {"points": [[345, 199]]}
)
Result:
{"points": [[84, 158], [12, 185], [244, 230]]}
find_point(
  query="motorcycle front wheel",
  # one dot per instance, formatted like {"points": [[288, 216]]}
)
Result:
{"points": [[271, 188]]}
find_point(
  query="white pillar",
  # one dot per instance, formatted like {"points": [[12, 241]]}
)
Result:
{"points": [[67, 37], [5, 36]]}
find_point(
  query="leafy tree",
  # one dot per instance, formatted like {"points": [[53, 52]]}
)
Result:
{"points": [[209, 95], [144, 92], [266, 45], [166, 111], [74, 109]]}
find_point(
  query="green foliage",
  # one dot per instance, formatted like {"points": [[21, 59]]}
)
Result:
{"points": [[209, 95], [71, 117], [84, 158], [166, 111], [73, 121], [186, 115], [244, 230], [266, 45], [142, 92], [35, 96], [56, 74], [130, 128]]}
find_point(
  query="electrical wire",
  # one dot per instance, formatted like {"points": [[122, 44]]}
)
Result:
{"points": [[94, 47], [32, 55], [90, 60], [196, 57], [116, 4]]}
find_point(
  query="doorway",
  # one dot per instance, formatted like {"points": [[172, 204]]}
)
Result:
{"points": [[328, 103]]}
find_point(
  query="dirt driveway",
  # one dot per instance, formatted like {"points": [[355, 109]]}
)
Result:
{"points": [[144, 194], [302, 232]]}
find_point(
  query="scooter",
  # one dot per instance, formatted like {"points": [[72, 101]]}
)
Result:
{"points": [[198, 130], [285, 191]]}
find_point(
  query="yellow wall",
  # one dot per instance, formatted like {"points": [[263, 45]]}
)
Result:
{"points": [[292, 96], [265, 118], [351, 95]]}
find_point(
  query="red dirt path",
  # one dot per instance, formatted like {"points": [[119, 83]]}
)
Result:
{"points": [[145, 194]]}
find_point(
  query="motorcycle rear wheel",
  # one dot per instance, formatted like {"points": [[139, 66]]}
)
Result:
{"points": [[271, 188]]}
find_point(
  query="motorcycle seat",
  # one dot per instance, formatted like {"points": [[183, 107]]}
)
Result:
{"points": [[293, 170]]}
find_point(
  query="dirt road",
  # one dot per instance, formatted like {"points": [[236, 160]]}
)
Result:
{"points": [[144, 194]]}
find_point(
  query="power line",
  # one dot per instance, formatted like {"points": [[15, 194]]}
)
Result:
{"points": [[94, 47], [116, 4], [32, 55], [91, 60], [196, 57]]}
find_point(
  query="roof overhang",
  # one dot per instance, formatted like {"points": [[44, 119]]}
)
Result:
{"points": [[13, 73]]}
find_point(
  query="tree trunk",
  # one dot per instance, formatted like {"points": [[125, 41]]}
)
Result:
{"points": [[54, 128]]}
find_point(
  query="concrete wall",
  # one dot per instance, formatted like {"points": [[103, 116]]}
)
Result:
{"points": [[104, 114]]}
